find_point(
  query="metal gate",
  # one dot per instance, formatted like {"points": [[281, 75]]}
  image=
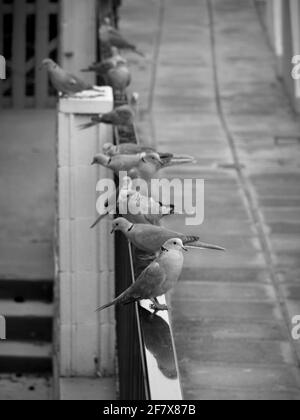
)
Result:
{"points": [[28, 33]]}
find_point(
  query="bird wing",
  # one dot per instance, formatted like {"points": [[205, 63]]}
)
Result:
{"points": [[77, 82], [149, 282], [150, 238], [118, 40], [125, 114]]}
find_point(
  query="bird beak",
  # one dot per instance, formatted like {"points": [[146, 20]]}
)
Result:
{"points": [[202, 245], [94, 162], [185, 249], [113, 231]]}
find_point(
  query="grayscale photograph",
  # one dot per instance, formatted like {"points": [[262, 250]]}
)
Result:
{"points": [[149, 203]]}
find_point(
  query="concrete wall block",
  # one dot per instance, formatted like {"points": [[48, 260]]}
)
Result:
{"points": [[85, 300], [66, 332], [66, 290], [64, 205], [83, 191], [65, 252], [107, 357], [84, 249], [104, 296], [105, 135], [85, 350], [85, 260], [63, 144], [84, 142]]}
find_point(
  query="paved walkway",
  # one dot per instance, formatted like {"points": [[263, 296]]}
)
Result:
{"points": [[211, 91]]}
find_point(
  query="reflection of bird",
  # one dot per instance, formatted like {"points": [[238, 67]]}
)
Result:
{"points": [[149, 238], [134, 206], [122, 116], [119, 78], [157, 279], [158, 341], [62, 81], [110, 36], [144, 165], [104, 66]]}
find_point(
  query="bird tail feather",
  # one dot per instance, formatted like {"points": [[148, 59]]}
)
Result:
{"points": [[98, 220], [114, 302], [90, 124], [120, 299], [180, 161], [139, 52], [203, 245]]}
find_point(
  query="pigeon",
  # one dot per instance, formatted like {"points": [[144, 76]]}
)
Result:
{"points": [[110, 36], [64, 82], [157, 279], [144, 165], [105, 66], [168, 159], [134, 206], [119, 78], [131, 149], [150, 239], [122, 116]]}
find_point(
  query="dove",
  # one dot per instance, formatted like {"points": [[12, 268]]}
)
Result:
{"points": [[112, 37], [122, 116], [131, 149], [64, 82], [157, 279], [150, 239], [134, 206], [144, 165], [168, 159], [104, 66], [119, 78]]}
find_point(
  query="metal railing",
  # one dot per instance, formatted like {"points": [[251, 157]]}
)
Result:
{"points": [[147, 361]]}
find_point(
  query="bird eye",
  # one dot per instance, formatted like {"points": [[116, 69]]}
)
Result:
{"points": [[174, 243]]}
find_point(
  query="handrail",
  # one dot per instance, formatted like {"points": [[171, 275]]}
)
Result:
{"points": [[147, 361]]}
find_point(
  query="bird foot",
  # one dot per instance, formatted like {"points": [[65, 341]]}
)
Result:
{"points": [[156, 307]]}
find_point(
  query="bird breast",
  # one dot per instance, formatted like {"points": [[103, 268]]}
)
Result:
{"points": [[171, 263]]}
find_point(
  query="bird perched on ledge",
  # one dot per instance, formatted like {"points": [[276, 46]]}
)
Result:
{"points": [[150, 239], [168, 159], [144, 165], [64, 82], [110, 36], [102, 68], [157, 279], [134, 206], [129, 149], [119, 78], [122, 116]]}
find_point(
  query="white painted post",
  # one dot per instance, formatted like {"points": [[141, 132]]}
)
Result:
{"points": [[78, 34], [278, 36], [295, 30], [85, 257]]}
